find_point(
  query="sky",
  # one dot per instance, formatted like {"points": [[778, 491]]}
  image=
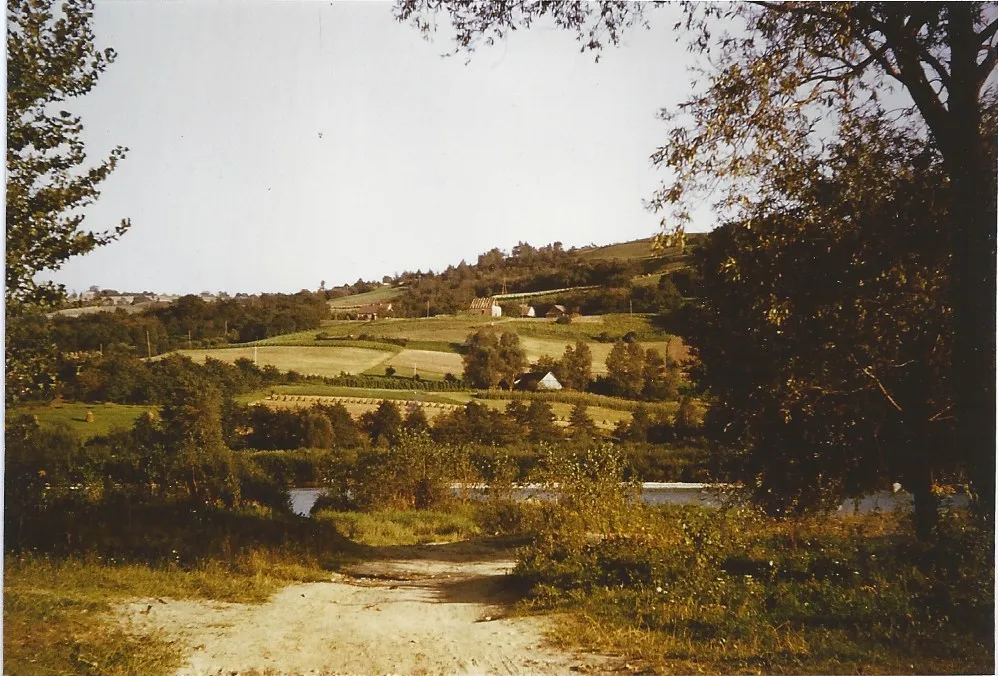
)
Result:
{"points": [[275, 145]]}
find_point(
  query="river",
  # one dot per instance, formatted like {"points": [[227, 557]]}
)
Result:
{"points": [[653, 493]]}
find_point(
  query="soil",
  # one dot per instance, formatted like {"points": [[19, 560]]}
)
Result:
{"points": [[433, 610]]}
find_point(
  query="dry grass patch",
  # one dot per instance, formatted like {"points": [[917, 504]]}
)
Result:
{"points": [[427, 362], [322, 361]]}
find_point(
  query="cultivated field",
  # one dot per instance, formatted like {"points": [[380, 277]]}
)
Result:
{"points": [[433, 343], [356, 406], [323, 361], [380, 295], [425, 363]]}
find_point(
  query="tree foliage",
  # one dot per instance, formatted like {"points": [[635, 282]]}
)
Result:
{"points": [[490, 359], [51, 59], [834, 376]]}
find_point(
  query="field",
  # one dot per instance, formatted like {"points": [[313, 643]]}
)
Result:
{"points": [[379, 295], [356, 406], [432, 347], [425, 363], [323, 361], [322, 390], [91, 309], [361, 400], [74, 414]]}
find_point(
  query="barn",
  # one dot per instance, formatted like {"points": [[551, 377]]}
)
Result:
{"points": [[487, 307], [534, 382]]}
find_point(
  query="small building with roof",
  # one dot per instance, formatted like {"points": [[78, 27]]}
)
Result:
{"points": [[486, 307]]}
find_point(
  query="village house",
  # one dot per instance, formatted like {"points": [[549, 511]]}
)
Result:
{"points": [[487, 307], [374, 310], [556, 311], [527, 311], [534, 382]]}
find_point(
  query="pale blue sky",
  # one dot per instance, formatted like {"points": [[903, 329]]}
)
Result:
{"points": [[277, 144]]}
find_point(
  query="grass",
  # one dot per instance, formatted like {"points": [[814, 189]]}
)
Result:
{"points": [[380, 295], [323, 361], [74, 414], [691, 589], [434, 365], [387, 528]]}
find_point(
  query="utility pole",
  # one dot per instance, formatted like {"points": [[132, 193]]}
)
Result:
{"points": [[427, 308], [631, 303], [254, 355], [189, 344], [148, 344]]}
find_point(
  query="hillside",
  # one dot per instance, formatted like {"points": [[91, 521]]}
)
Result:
{"points": [[579, 277]]}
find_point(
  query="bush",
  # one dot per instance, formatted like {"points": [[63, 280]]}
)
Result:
{"points": [[416, 473]]}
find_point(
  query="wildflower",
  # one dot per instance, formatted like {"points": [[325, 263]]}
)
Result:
{"points": [[658, 589]]}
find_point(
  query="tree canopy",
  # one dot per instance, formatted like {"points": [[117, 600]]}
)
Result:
{"points": [[51, 59]]}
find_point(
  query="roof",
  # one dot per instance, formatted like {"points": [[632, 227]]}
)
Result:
{"points": [[531, 380], [483, 303], [374, 308]]}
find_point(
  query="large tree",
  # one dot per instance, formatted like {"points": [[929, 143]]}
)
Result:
{"points": [[832, 376], [51, 59], [781, 72]]}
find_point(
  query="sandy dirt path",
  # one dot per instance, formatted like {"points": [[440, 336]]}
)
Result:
{"points": [[407, 616]]}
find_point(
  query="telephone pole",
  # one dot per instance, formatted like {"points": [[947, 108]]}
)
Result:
{"points": [[148, 344]]}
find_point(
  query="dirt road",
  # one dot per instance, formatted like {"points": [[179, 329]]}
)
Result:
{"points": [[418, 615]]}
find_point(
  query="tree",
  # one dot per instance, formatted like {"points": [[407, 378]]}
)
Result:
{"points": [[625, 368], [640, 424], [834, 376], [655, 376], [51, 58], [540, 419], [481, 359], [415, 419], [383, 423], [781, 68], [576, 366], [582, 426], [512, 358], [490, 360], [195, 444]]}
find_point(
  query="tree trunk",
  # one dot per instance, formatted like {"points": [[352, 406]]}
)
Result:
{"points": [[972, 210]]}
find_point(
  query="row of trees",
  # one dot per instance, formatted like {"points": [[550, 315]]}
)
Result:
{"points": [[492, 361], [189, 321], [325, 427]]}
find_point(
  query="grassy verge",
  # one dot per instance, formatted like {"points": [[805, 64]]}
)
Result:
{"points": [[410, 527], [690, 589]]}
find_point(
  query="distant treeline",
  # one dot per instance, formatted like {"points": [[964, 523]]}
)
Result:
{"points": [[188, 322]]}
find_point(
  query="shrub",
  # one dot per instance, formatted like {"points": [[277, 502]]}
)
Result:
{"points": [[415, 473]]}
